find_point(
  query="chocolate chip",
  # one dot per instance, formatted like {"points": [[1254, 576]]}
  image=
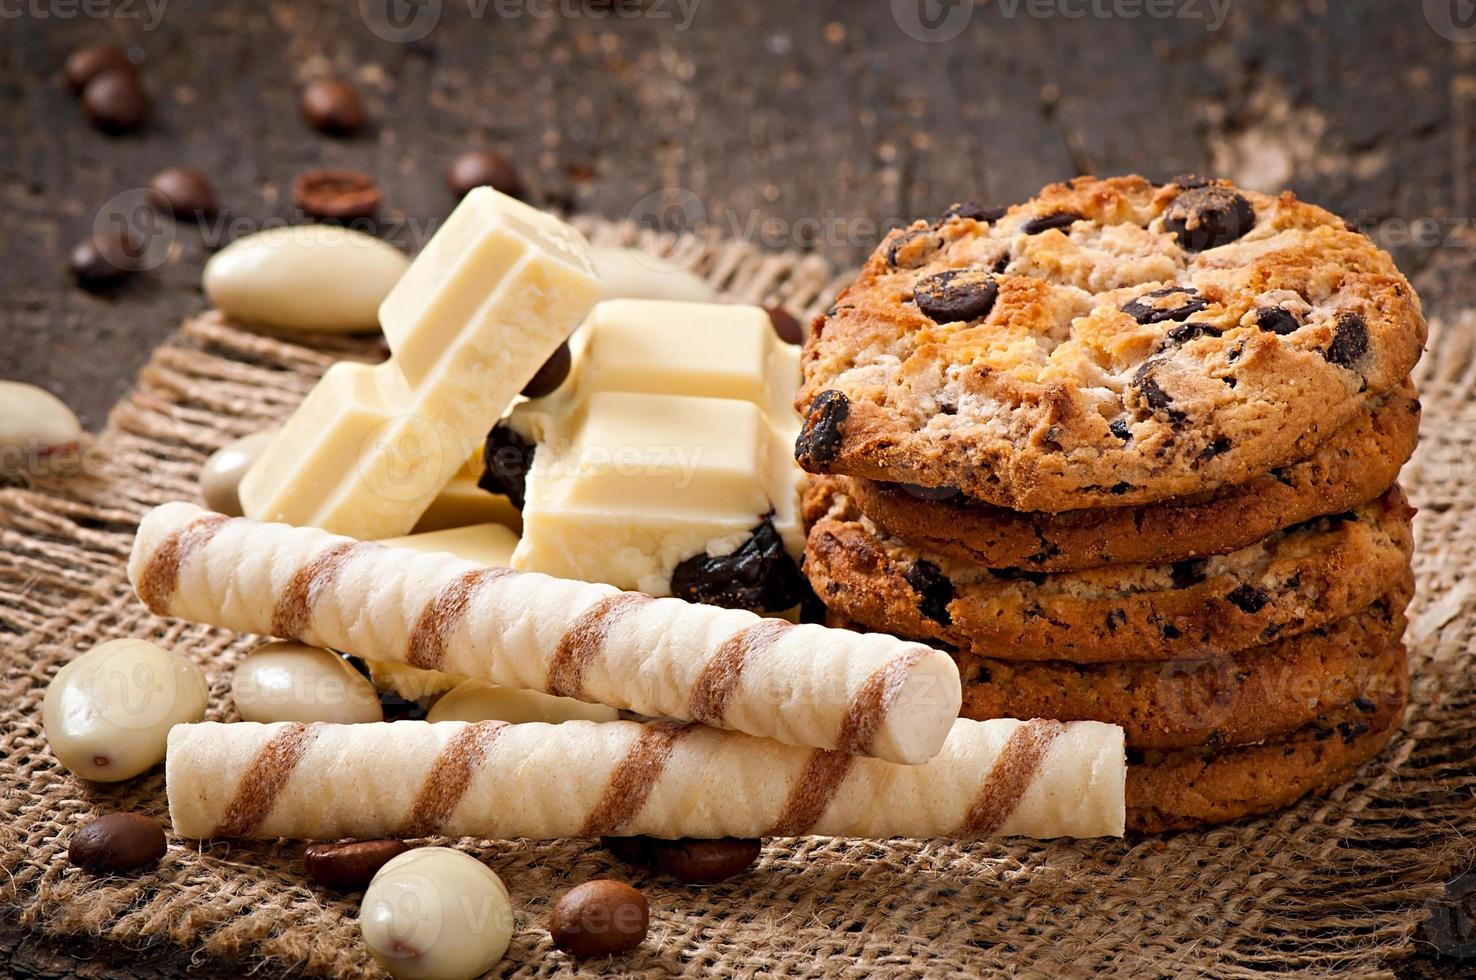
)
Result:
{"points": [[1351, 730], [1118, 489], [1283, 476], [1116, 618], [1218, 447], [983, 675], [599, 918], [1350, 340], [85, 64], [1169, 631], [1019, 574], [912, 248], [1274, 319], [1056, 219], [115, 101], [332, 106], [103, 259], [182, 191], [1146, 312], [1363, 704], [934, 588], [507, 457], [1121, 429], [483, 168], [985, 213], [785, 325], [820, 439], [553, 373], [1153, 395], [1208, 217], [1189, 182], [337, 194], [1249, 598], [117, 843], [1186, 332], [956, 295], [1187, 573], [352, 865], [760, 576], [702, 862]]}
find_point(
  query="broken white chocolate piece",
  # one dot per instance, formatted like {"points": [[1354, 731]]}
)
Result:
{"points": [[490, 779], [485, 544], [497, 289], [462, 504], [866, 693]]}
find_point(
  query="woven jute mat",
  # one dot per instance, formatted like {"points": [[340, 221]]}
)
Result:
{"points": [[1337, 884]]}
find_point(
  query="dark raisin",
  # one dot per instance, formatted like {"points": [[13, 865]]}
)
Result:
{"points": [[1350, 340], [912, 248], [1230, 380], [979, 212], [1145, 311], [957, 294], [820, 439], [1273, 319], [507, 458], [1219, 447], [760, 576], [1208, 217], [1057, 219], [1187, 573], [1186, 332], [1121, 429], [936, 592], [1249, 598]]}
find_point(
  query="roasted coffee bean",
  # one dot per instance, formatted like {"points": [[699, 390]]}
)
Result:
{"points": [[115, 101], [933, 588], [913, 248], [507, 457], [552, 374], [759, 577], [1180, 303], [1350, 340], [984, 213], [1273, 319], [1186, 332], [85, 64], [1208, 217], [638, 852], [702, 862], [338, 194], [956, 295], [183, 191], [1249, 598], [349, 866], [1058, 219], [785, 325], [103, 260], [820, 439], [117, 843], [599, 918], [333, 107], [483, 168]]}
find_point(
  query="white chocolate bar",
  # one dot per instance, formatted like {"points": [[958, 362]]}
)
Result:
{"points": [[584, 779], [866, 693], [462, 503], [491, 296], [485, 544]]}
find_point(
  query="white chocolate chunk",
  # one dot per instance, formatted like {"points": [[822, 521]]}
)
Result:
{"points": [[305, 277], [485, 544], [295, 682], [480, 701], [627, 273], [434, 913], [497, 289], [107, 713], [220, 479]]}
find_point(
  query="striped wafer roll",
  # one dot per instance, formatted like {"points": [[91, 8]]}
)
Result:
{"points": [[868, 694], [664, 779]]}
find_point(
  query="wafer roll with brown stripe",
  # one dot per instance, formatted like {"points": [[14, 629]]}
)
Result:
{"points": [[664, 779], [868, 694]]}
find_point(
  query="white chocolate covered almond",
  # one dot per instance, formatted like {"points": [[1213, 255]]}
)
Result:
{"points": [[295, 682]]}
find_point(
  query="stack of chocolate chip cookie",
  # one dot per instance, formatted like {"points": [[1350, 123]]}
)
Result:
{"points": [[1130, 451]]}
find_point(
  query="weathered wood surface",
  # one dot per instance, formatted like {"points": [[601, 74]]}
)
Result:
{"points": [[812, 125]]}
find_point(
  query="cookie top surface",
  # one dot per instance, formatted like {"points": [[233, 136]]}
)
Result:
{"points": [[1109, 343]]}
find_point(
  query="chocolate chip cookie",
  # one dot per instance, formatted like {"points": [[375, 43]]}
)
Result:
{"points": [[1294, 580], [1185, 788], [1109, 343], [1357, 464]]}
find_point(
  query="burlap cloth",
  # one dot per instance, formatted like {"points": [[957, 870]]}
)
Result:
{"points": [[1337, 884]]}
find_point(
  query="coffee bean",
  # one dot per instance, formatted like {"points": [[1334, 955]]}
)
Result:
{"points": [[933, 588], [117, 843], [820, 439], [338, 194], [116, 101], [1059, 219], [1208, 217], [85, 64], [1169, 303], [103, 259], [552, 374], [639, 852], [183, 191], [760, 576], [1273, 319], [599, 918], [702, 862], [349, 866], [483, 168], [786, 325], [1350, 340], [955, 295], [506, 458], [984, 213], [333, 107]]}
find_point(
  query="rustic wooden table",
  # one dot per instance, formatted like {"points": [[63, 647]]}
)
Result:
{"points": [[795, 125]]}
